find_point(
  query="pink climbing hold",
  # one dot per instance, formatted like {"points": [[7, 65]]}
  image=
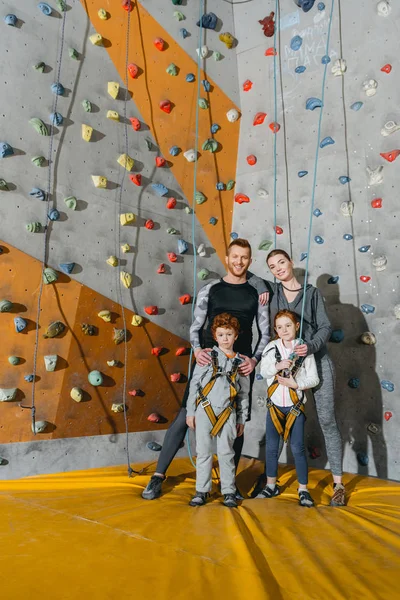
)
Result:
{"points": [[386, 68], [133, 70], [268, 25], [270, 52], [136, 124], [172, 257], [159, 44], [185, 299], [127, 5], [175, 377], [377, 203], [135, 393], [274, 127], [251, 159], [388, 415], [154, 418], [151, 310], [156, 351], [136, 179], [181, 351], [166, 106], [259, 118], [365, 278], [247, 85], [278, 230], [240, 198], [161, 269], [149, 224], [390, 156], [160, 161], [171, 203]]}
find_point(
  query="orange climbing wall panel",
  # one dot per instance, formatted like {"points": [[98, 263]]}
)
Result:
{"points": [[152, 86], [74, 304]]}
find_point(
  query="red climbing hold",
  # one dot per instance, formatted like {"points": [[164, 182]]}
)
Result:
{"points": [[133, 70], [166, 106], [185, 299], [390, 156], [136, 179], [365, 278], [181, 351], [270, 52], [274, 127], [151, 310], [268, 25], [377, 203], [259, 118], [175, 377], [247, 85], [161, 269], [136, 124], [278, 230], [251, 159], [159, 44], [154, 418], [127, 5], [172, 257], [387, 68], [240, 198], [171, 203], [149, 224], [388, 415], [156, 351], [160, 161]]}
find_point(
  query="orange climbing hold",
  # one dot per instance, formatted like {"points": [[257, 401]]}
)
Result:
{"points": [[376, 203], [247, 85], [156, 351], [270, 52], [172, 257], [388, 415], [181, 351], [151, 310], [161, 269], [136, 179], [159, 44], [274, 127], [175, 377], [185, 299], [278, 230], [133, 70], [259, 118], [160, 161], [390, 156], [149, 224], [241, 198], [171, 203], [136, 124], [386, 68], [166, 106], [251, 159], [365, 278]]}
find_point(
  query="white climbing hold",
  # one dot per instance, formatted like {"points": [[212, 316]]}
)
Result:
{"points": [[339, 67], [203, 51], [263, 194], [232, 115], [50, 362], [389, 128], [397, 311], [201, 250], [117, 408], [190, 155], [113, 89], [347, 208], [380, 262], [375, 176], [368, 338], [102, 14], [7, 395], [370, 87], [113, 115], [87, 132], [39, 427], [105, 315], [383, 8], [76, 394], [96, 39], [99, 181], [126, 161]]}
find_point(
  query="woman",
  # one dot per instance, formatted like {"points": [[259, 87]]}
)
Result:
{"points": [[287, 293]]}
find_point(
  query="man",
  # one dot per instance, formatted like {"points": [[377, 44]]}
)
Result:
{"points": [[237, 294]]}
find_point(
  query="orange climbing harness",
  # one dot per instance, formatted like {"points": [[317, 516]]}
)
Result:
{"points": [[202, 399]]}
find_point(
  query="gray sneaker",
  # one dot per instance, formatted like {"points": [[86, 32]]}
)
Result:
{"points": [[267, 492], [153, 488], [199, 499]]}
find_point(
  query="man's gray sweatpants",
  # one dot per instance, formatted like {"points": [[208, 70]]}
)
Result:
{"points": [[205, 448]]}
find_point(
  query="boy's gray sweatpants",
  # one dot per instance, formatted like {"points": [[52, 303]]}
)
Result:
{"points": [[205, 445]]}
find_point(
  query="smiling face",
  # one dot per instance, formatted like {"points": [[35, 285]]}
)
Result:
{"points": [[281, 267], [286, 329], [225, 338], [238, 260]]}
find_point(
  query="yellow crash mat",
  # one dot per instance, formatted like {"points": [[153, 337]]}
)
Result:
{"points": [[89, 535]]}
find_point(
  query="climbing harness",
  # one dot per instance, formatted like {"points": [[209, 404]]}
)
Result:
{"points": [[218, 421]]}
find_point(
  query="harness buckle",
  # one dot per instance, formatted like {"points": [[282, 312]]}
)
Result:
{"points": [[295, 411], [205, 403]]}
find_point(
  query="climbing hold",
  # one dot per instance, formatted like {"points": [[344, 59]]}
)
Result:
{"points": [[50, 362], [347, 208], [137, 320], [268, 25], [38, 193], [386, 68], [376, 203], [347, 237], [339, 67], [396, 311], [263, 194], [4, 186], [20, 324], [296, 42], [73, 53], [125, 248], [87, 132], [154, 418], [365, 278], [368, 309], [14, 360], [234, 235], [388, 415], [321, 6], [160, 161], [227, 39], [56, 119], [317, 212], [172, 257], [151, 310], [5, 150], [337, 336], [5, 306], [220, 186], [76, 394], [155, 446], [305, 5], [95, 378], [241, 198], [87, 105], [325, 59], [29, 378], [201, 250], [159, 44], [274, 127], [136, 179], [259, 118], [380, 262], [354, 383], [38, 161], [127, 5], [161, 269], [102, 14], [34, 227], [49, 275], [174, 150], [327, 141], [58, 89], [389, 128], [54, 329], [390, 156], [183, 246], [45, 8], [125, 218], [119, 335], [251, 159], [363, 458], [356, 106], [375, 176], [149, 224], [199, 197], [112, 115], [211, 145], [208, 21], [11, 20], [383, 8], [39, 126], [178, 15], [40, 66], [183, 33], [302, 173], [171, 203], [230, 184], [112, 261], [364, 248], [165, 106], [214, 128], [313, 103], [213, 221], [265, 245], [71, 202], [203, 274], [190, 155], [344, 179], [247, 85], [370, 86], [126, 161], [185, 299], [105, 315], [190, 77], [333, 280], [172, 70], [117, 407], [188, 210], [39, 426], [232, 115], [7, 395], [300, 69], [133, 70], [270, 52], [175, 377], [318, 239], [61, 5], [172, 231], [203, 51], [176, 2], [368, 338], [88, 329], [206, 85], [203, 103], [387, 385], [67, 267], [99, 181], [303, 256], [96, 39]]}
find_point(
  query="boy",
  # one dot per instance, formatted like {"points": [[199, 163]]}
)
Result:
{"points": [[217, 407]]}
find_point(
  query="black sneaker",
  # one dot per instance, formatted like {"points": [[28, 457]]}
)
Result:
{"points": [[199, 499], [260, 484], [267, 492], [230, 500], [153, 488], [238, 494], [305, 499]]}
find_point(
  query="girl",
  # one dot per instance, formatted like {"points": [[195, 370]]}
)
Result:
{"points": [[287, 375]]}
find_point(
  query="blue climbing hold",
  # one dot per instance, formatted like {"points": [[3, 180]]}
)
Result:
{"points": [[67, 267], [344, 179], [368, 309], [334, 279], [327, 141], [347, 237], [259, 377], [183, 246], [215, 127], [364, 248], [337, 336], [220, 186], [296, 42], [300, 69], [325, 59], [356, 105], [54, 215], [305, 5], [319, 239], [213, 221], [160, 189], [11, 20], [45, 8], [155, 446], [58, 88], [387, 385], [206, 85], [38, 193], [5, 150], [174, 150], [56, 118], [234, 235], [183, 33], [19, 324], [313, 103], [317, 212], [353, 383], [29, 378], [321, 6], [208, 21], [363, 459], [303, 256], [302, 173], [190, 77]]}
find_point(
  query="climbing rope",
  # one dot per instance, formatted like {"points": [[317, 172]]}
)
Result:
{"points": [[316, 169], [47, 220], [275, 115]]}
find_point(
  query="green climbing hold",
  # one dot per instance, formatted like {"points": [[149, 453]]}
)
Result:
{"points": [[73, 53], [87, 105], [40, 66], [70, 202], [61, 5], [203, 103], [210, 144], [230, 185], [34, 227], [49, 275], [3, 185], [200, 197], [172, 70], [172, 231], [39, 126], [265, 245], [38, 161], [178, 15], [5, 305], [14, 360], [203, 274], [176, 2], [217, 55], [95, 378]]}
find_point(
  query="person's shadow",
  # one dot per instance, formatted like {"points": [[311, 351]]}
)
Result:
{"points": [[356, 408]]}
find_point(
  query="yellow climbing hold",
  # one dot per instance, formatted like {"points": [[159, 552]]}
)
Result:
{"points": [[137, 320], [126, 161], [102, 14], [227, 39], [112, 261], [96, 39], [113, 89], [105, 315], [126, 279], [117, 408], [87, 132], [125, 248], [76, 394], [99, 181], [126, 218], [113, 115]]}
